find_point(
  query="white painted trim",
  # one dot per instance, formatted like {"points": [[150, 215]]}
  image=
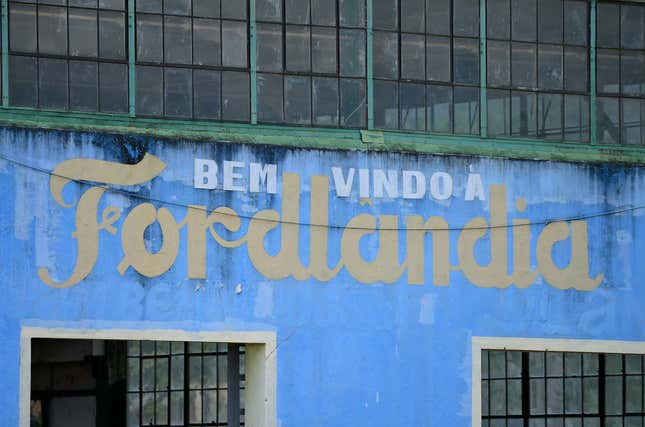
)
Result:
{"points": [[537, 344], [261, 362]]}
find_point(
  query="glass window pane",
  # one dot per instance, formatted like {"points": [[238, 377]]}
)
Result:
{"points": [[353, 103], [352, 13], [297, 100], [499, 112], [83, 33], [177, 408], [149, 91], [590, 364], [466, 110], [498, 19], [178, 40], [554, 364], [412, 56], [325, 100], [608, 131], [608, 63], [590, 395], [632, 66], [207, 94], [161, 376], [613, 395], [195, 407], [210, 406], [151, 6], [235, 98], [413, 16], [633, 363], [576, 119], [22, 27], [323, 51], [385, 14], [177, 372], [133, 410], [514, 406], [499, 63], [178, 92], [298, 48], [523, 22], [52, 30], [536, 364], [113, 88], [297, 11], [112, 4], [576, 22], [632, 121], [82, 3], [386, 62], [573, 395], [439, 17], [608, 23], [270, 106], [268, 10], [485, 400], [497, 397], [632, 27], [233, 9], [413, 112], [550, 21], [523, 67], [52, 87], [634, 384], [385, 105], [352, 53], [465, 18], [550, 116], [439, 108], [84, 87], [210, 372], [323, 12], [524, 123], [497, 362], [112, 35], [438, 59], [514, 364], [614, 363], [576, 69], [147, 408], [177, 7], [269, 47], [234, 45], [222, 405], [466, 60], [550, 73], [147, 374], [207, 43], [537, 394], [208, 8], [149, 38]]}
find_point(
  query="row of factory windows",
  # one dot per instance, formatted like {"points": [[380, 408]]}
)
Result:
{"points": [[193, 62]]}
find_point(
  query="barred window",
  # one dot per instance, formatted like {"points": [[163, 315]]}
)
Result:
{"points": [[621, 73], [426, 67], [68, 55], [537, 69], [192, 59], [549, 389], [185, 383], [312, 62]]}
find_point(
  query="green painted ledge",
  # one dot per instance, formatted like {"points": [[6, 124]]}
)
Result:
{"points": [[330, 139]]}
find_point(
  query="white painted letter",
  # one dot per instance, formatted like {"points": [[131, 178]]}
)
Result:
{"points": [[363, 183], [230, 175], [205, 174], [390, 183], [267, 175], [474, 188], [419, 180], [441, 186], [343, 186]]}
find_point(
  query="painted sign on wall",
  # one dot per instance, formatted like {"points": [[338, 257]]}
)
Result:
{"points": [[386, 264]]}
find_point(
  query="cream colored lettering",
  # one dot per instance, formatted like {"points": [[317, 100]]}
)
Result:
{"points": [[287, 262], [385, 268], [416, 259], [319, 232], [523, 277], [493, 275], [576, 274], [136, 255]]}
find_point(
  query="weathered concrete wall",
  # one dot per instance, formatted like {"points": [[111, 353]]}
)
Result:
{"points": [[349, 352]]}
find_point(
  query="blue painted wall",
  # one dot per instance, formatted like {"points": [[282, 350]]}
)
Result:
{"points": [[349, 353]]}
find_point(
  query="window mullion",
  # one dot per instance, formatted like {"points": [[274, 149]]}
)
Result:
{"points": [[370, 65], [593, 135], [233, 385], [483, 107], [526, 389], [131, 58]]}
